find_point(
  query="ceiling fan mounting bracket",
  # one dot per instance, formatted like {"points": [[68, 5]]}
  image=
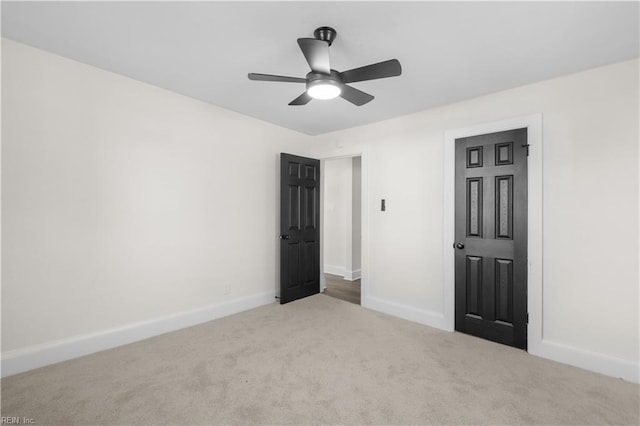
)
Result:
{"points": [[327, 34]]}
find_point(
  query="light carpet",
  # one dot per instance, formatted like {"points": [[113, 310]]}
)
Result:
{"points": [[322, 361]]}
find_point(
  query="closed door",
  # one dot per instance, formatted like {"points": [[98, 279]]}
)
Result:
{"points": [[299, 227], [491, 237]]}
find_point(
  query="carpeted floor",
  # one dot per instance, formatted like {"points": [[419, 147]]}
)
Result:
{"points": [[317, 360]]}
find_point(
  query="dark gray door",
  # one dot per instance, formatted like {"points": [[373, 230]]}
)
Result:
{"points": [[491, 236], [299, 227]]}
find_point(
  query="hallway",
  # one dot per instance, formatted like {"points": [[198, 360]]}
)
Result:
{"points": [[342, 289]]}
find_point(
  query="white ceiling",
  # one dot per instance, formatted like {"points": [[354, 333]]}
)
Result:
{"points": [[449, 51]]}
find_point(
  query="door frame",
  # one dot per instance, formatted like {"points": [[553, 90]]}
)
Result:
{"points": [[364, 223], [533, 124]]}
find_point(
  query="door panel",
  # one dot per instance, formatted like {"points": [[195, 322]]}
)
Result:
{"points": [[504, 207], [293, 213], [311, 210], [491, 236], [474, 207], [293, 263], [474, 285], [504, 290], [300, 233]]}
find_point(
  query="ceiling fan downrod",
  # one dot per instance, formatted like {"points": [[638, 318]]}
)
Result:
{"points": [[327, 34]]}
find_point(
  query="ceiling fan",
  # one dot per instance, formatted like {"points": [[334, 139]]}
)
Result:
{"points": [[326, 83]]}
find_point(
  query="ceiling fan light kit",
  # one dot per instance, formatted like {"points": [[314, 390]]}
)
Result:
{"points": [[320, 89], [322, 86], [323, 82]]}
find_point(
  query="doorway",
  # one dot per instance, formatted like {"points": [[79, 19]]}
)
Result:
{"points": [[533, 124], [342, 228]]}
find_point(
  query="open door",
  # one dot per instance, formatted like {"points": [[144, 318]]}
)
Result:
{"points": [[299, 227]]}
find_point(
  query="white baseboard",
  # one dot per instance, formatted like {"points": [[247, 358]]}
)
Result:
{"points": [[342, 272], [333, 270], [17, 361], [599, 363], [422, 316], [352, 275]]}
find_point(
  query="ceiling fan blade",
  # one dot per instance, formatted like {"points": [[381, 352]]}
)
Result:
{"points": [[301, 100], [280, 78], [390, 68], [355, 96], [316, 52]]}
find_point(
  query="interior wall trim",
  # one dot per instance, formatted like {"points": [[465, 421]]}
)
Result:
{"points": [[20, 360], [603, 364], [352, 275], [342, 272], [533, 124], [334, 270], [422, 316]]}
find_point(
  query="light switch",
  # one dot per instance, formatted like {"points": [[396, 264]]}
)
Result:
{"points": [[383, 206]]}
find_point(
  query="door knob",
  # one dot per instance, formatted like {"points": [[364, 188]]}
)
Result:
{"points": [[459, 246], [284, 237]]}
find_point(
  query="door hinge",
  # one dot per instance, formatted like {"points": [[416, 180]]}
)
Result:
{"points": [[527, 317], [526, 146]]}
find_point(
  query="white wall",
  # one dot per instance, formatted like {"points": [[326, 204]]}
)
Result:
{"points": [[123, 202], [590, 207]]}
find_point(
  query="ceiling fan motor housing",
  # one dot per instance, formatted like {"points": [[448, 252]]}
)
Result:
{"points": [[315, 80], [327, 34], [321, 77]]}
